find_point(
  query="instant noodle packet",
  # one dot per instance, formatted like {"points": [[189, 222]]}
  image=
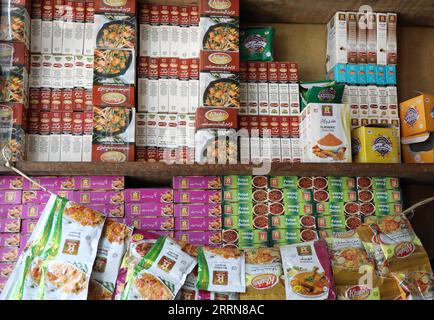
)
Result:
{"points": [[308, 274], [161, 273], [221, 270], [264, 275], [112, 245], [257, 44]]}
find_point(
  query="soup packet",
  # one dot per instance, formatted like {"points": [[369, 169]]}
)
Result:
{"points": [[257, 43], [308, 274], [160, 273], [140, 244], [190, 292], [112, 245], [15, 288], [70, 253], [221, 270], [264, 275]]}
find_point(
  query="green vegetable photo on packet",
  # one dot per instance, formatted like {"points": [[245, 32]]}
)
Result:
{"points": [[257, 43]]}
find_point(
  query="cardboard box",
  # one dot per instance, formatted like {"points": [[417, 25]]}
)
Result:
{"points": [[89, 29], [416, 115], [102, 23], [47, 26], [375, 145], [352, 36], [337, 35], [371, 44], [149, 209], [36, 26], [252, 88], [361, 37], [161, 195], [144, 30], [392, 48], [382, 39]]}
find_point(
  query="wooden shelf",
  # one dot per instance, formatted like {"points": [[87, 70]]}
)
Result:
{"points": [[160, 173], [411, 12]]}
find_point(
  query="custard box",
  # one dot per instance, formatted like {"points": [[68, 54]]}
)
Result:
{"points": [[42, 197], [11, 182], [8, 254], [109, 210]]}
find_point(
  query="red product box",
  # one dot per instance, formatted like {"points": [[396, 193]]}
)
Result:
{"points": [[90, 11], [67, 99], [88, 122], [77, 123], [290, 126], [144, 14], [244, 122], [184, 16], [78, 99], [275, 126], [125, 6], [55, 122], [56, 99], [80, 11], [17, 51], [113, 95], [143, 67], [88, 100], [194, 69], [45, 99], [35, 99], [220, 8], [283, 75], [264, 125], [67, 122], [33, 122], [219, 61], [154, 14], [44, 122]]}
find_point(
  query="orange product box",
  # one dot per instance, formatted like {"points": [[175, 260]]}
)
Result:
{"points": [[417, 115]]}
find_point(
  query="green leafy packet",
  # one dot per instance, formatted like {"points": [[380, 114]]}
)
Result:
{"points": [[15, 286], [257, 43], [160, 274], [320, 92]]}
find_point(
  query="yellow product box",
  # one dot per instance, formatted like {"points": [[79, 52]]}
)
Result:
{"points": [[417, 115], [375, 144], [418, 148]]}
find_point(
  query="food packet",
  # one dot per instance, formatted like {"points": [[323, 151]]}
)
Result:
{"points": [[264, 275], [140, 244], [112, 245], [308, 274], [418, 285], [160, 273], [190, 292], [320, 92], [15, 286], [221, 270], [257, 43], [70, 253]]}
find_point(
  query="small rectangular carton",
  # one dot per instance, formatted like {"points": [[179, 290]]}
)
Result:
{"points": [[199, 238], [149, 209], [416, 115], [392, 48], [196, 182], [151, 223], [382, 39], [197, 210], [10, 211], [197, 196], [198, 223], [337, 38], [161, 195]]}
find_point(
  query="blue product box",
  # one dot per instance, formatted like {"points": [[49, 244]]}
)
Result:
{"points": [[391, 75], [371, 74], [338, 73], [361, 74], [352, 74], [381, 75]]}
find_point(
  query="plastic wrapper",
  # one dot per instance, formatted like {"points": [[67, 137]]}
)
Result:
{"points": [[257, 43]]}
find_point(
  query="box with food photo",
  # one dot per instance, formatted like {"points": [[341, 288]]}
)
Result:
{"points": [[115, 31], [15, 22], [13, 121]]}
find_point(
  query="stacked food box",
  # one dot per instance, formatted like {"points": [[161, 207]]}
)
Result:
{"points": [[114, 81], [150, 209], [168, 82], [61, 76], [14, 69]]}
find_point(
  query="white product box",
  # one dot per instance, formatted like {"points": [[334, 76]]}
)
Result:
{"points": [[88, 72], [142, 94], [276, 153], [363, 101], [371, 38], [373, 101], [174, 31], [144, 42], [294, 99], [253, 98], [361, 37], [55, 134], [87, 136], [193, 86], [58, 27], [255, 147], [382, 39], [352, 37], [78, 39], [154, 43], [79, 71], [164, 31], [36, 27], [263, 99], [47, 27], [284, 99], [286, 151], [337, 40], [392, 102], [68, 71], [265, 145], [392, 46], [353, 100], [184, 32], [163, 95], [88, 41], [152, 134], [243, 98], [194, 38], [295, 150], [44, 136], [35, 79], [244, 141], [191, 134], [152, 100], [47, 70], [57, 72], [382, 102], [68, 30], [140, 130]]}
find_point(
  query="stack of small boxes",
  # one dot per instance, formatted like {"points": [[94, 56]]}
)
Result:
{"points": [[150, 210], [198, 210], [14, 68]]}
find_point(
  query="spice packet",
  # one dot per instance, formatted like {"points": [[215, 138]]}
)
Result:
{"points": [[257, 43], [264, 275], [161, 273], [221, 270], [308, 274], [112, 245]]}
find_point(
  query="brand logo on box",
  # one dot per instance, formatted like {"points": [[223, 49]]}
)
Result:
{"points": [[115, 3], [327, 111], [216, 115], [358, 293], [382, 145], [404, 249], [220, 4], [264, 281], [411, 116], [220, 58], [113, 98]]}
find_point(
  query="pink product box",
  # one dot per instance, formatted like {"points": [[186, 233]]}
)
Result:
{"points": [[9, 254], [195, 182], [6, 269], [32, 211], [99, 197], [198, 224], [28, 226], [100, 183], [42, 197], [10, 197], [164, 233], [10, 225], [151, 223], [149, 209], [11, 182], [9, 239], [50, 183], [112, 211], [161, 195], [197, 196], [198, 210], [10, 211], [23, 241], [206, 238]]}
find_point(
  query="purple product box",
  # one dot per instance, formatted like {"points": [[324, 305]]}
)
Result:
{"points": [[42, 197], [32, 211], [149, 209], [151, 223], [11, 211], [161, 233], [9, 254], [9, 239], [10, 197], [27, 226], [99, 197], [196, 182], [204, 238], [160, 195], [10, 225], [11, 182], [197, 196], [50, 183], [100, 182], [198, 210], [109, 210], [6, 269], [198, 224]]}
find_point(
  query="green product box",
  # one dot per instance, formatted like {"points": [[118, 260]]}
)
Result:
{"points": [[342, 195], [341, 183], [331, 222], [387, 196], [381, 183], [299, 208], [297, 195], [385, 209], [236, 182], [237, 222], [283, 182], [254, 236], [292, 222], [329, 208], [237, 195], [237, 208], [290, 236], [327, 233], [252, 245]]}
